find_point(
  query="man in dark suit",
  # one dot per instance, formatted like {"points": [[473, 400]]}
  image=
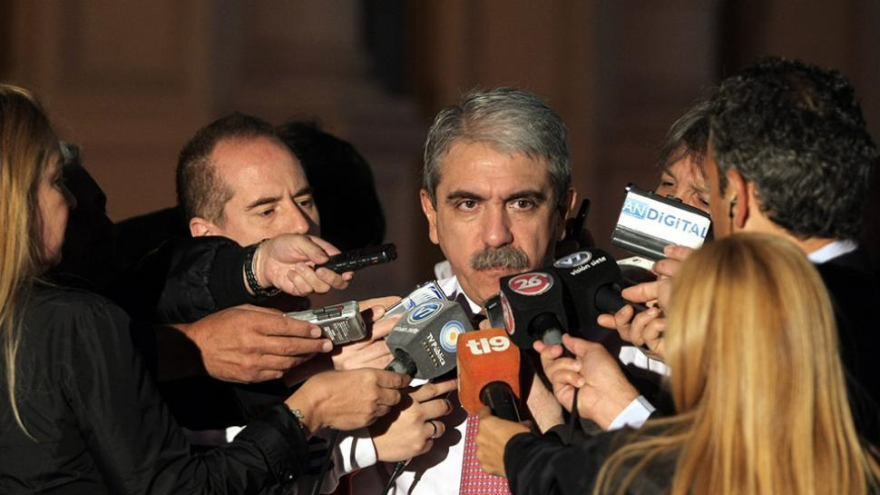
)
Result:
{"points": [[790, 155]]}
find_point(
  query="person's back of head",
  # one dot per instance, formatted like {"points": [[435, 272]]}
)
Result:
{"points": [[756, 378], [342, 185], [797, 133], [201, 191]]}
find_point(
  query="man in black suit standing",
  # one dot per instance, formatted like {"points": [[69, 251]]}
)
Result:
{"points": [[790, 155]]}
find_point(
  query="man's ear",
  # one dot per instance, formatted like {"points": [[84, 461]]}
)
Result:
{"points": [[200, 227], [430, 214], [740, 197], [566, 208]]}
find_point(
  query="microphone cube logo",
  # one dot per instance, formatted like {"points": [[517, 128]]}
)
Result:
{"points": [[449, 335], [635, 208], [509, 322], [423, 312], [573, 260], [484, 345], [531, 284]]}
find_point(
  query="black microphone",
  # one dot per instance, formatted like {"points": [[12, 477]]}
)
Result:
{"points": [[533, 308], [593, 282], [423, 341]]}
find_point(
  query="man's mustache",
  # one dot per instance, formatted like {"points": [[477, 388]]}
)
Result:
{"points": [[502, 257]]}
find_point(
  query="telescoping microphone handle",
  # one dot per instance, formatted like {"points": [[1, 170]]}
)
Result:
{"points": [[500, 399], [404, 367], [609, 300]]}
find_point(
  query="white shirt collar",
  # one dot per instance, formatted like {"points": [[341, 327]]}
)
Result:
{"points": [[453, 289], [831, 251]]}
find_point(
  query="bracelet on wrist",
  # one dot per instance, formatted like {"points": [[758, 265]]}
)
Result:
{"points": [[300, 420], [250, 275]]}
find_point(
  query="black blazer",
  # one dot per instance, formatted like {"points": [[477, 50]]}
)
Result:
{"points": [[855, 295]]}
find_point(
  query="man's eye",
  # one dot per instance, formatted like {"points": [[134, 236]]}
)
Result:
{"points": [[306, 202], [523, 204], [467, 204], [267, 213]]}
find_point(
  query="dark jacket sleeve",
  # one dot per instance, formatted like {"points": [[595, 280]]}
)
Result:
{"points": [[137, 445], [184, 280], [542, 464]]}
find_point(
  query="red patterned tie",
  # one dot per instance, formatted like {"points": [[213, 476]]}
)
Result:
{"points": [[475, 481]]}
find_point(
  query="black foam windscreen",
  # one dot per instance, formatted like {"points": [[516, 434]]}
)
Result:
{"points": [[593, 282], [534, 308], [423, 342]]}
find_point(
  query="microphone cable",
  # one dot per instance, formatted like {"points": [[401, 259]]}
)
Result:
{"points": [[333, 442]]}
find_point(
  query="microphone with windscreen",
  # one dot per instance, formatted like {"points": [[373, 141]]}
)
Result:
{"points": [[593, 282], [488, 373], [423, 341], [533, 308]]}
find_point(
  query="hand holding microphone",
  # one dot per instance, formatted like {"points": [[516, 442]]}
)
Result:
{"points": [[410, 429], [646, 328], [603, 390], [488, 383]]}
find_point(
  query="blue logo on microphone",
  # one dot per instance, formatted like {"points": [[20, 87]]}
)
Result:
{"points": [[423, 312]]}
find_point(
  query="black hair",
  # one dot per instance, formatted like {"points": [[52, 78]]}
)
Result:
{"points": [[342, 185], [797, 133], [201, 192]]}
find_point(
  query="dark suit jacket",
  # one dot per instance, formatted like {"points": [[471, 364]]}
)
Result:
{"points": [[855, 295]]}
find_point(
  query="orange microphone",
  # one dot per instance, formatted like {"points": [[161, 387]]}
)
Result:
{"points": [[488, 373]]}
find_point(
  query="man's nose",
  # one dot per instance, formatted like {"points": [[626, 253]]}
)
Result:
{"points": [[496, 227], [295, 220]]}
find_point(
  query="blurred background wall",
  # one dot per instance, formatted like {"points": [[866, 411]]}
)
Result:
{"points": [[131, 81]]}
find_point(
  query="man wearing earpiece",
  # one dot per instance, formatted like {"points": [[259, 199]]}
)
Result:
{"points": [[789, 154]]}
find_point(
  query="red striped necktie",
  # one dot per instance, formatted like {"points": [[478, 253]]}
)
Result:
{"points": [[475, 481]]}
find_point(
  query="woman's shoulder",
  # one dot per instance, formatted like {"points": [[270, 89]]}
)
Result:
{"points": [[55, 302]]}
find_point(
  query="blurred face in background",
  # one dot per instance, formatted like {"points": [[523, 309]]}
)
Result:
{"points": [[270, 193], [684, 179], [54, 202]]}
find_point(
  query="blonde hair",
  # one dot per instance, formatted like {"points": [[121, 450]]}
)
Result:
{"points": [[757, 381], [26, 144]]}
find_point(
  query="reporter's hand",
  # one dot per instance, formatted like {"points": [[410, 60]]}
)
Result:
{"points": [[347, 400], [604, 391], [287, 262], [646, 328], [492, 439], [410, 430], [250, 344], [543, 406], [372, 352]]}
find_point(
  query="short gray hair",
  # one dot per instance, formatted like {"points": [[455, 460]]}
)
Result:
{"points": [[512, 121]]}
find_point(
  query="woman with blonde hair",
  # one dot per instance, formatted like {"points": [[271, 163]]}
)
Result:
{"points": [[758, 389], [78, 411]]}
